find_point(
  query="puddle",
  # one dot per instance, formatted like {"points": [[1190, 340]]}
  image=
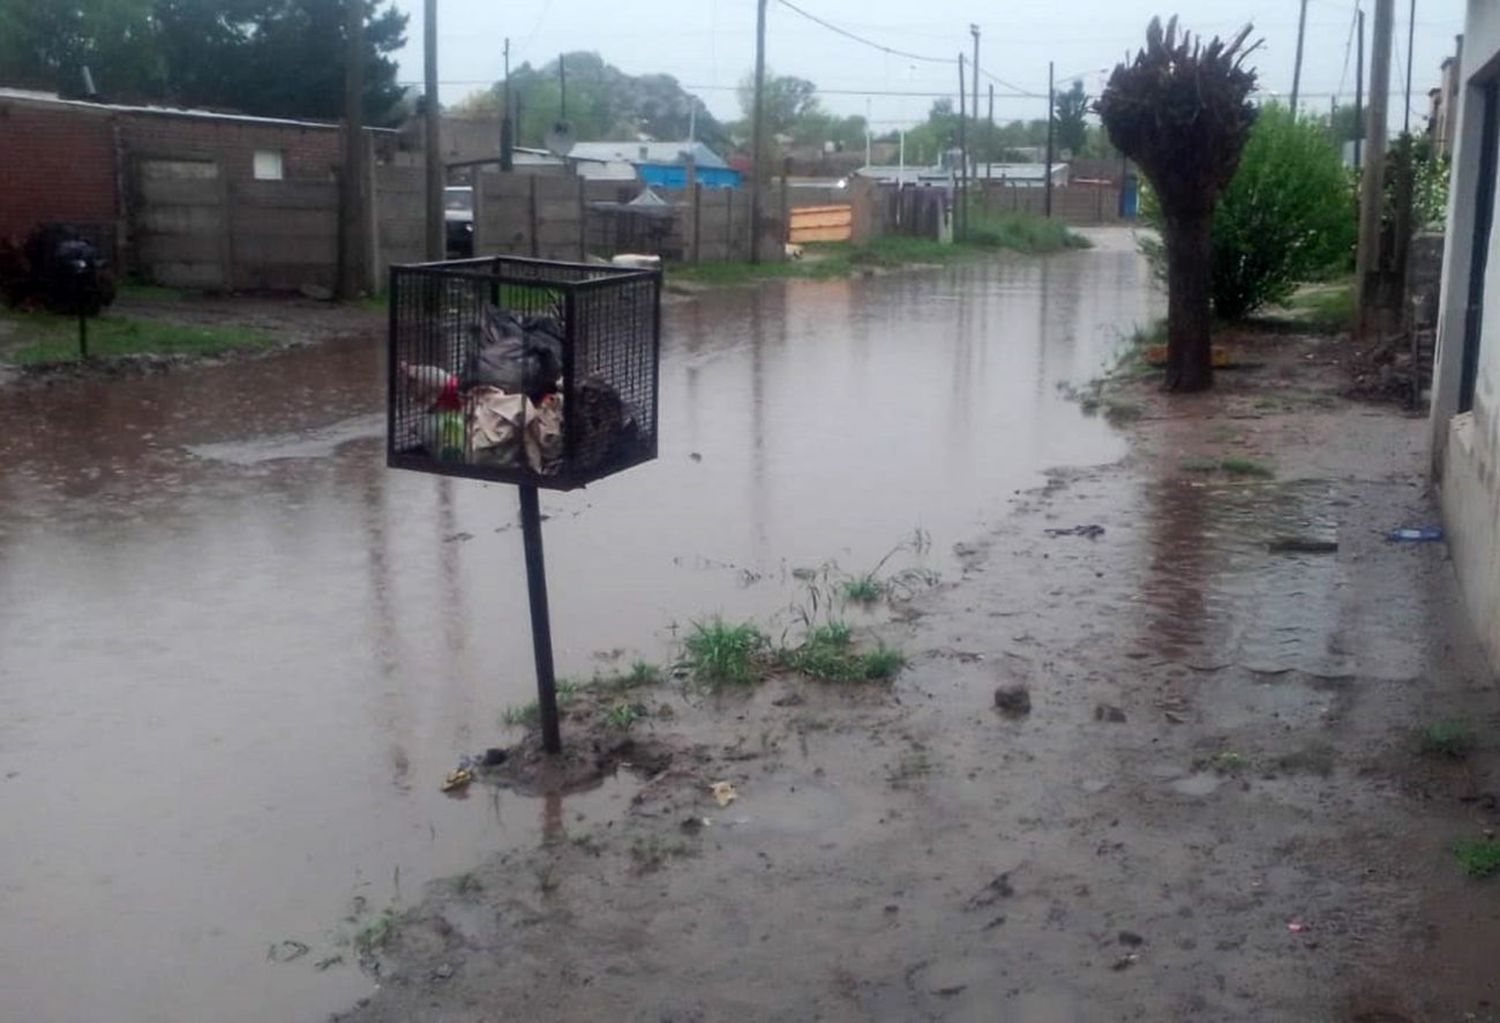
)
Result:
{"points": [[237, 654]]}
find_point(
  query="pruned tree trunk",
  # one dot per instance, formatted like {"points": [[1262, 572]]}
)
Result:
{"points": [[1189, 350]]}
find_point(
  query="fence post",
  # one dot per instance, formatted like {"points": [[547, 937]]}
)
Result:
{"points": [[373, 268], [697, 208], [729, 224], [583, 223], [531, 215], [786, 204], [479, 235]]}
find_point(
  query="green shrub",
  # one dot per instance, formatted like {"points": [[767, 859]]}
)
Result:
{"points": [[1288, 216]]}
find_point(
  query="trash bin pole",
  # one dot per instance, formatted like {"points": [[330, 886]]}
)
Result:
{"points": [[541, 627]]}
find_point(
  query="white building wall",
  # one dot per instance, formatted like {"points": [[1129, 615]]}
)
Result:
{"points": [[1466, 446]]}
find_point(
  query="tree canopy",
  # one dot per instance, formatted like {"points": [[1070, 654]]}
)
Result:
{"points": [[267, 57], [603, 103], [1181, 110], [1070, 109]]}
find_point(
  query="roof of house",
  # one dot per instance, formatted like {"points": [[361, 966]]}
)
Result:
{"points": [[52, 98], [648, 152]]}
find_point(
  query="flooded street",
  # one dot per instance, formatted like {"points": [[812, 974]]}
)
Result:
{"points": [[237, 654]]}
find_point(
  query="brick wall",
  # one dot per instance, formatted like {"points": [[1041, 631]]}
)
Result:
{"points": [[308, 153], [56, 164]]}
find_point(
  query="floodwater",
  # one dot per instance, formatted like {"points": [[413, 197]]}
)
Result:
{"points": [[237, 654]]}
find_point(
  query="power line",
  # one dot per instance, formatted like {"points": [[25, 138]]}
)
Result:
{"points": [[1016, 89], [1348, 43], [861, 39]]}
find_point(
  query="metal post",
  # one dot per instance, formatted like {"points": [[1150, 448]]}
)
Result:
{"points": [[562, 86], [1051, 104], [1297, 62], [758, 131], [436, 243], [541, 625], [83, 334]]}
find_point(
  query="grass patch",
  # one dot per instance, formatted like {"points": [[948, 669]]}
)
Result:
{"points": [[1232, 466], [1021, 232], [140, 291], [863, 589], [1480, 857], [529, 715], [1017, 232], [912, 766], [1452, 739], [828, 653], [44, 338], [1323, 307], [720, 653]]}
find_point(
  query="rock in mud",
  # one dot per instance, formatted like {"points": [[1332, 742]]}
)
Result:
{"points": [[1110, 713], [1013, 700]]}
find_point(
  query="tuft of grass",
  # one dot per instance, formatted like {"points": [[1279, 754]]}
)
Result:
{"points": [[720, 653], [863, 589], [467, 882], [529, 715], [378, 932], [1480, 857], [1237, 466], [828, 653], [1232, 466], [1452, 739], [639, 675], [1224, 762], [651, 852], [623, 716], [44, 338], [912, 765]]}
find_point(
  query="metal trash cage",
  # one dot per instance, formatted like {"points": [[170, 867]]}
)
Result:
{"points": [[523, 370]]}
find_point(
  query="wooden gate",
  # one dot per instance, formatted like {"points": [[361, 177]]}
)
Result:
{"points": [[821, 224]]}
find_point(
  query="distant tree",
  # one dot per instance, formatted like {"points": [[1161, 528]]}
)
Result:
{"points": [[45, 45], [1181, 111], [269, 57], [1069, 111], [787, 100], [277, 57], [603, 103]]}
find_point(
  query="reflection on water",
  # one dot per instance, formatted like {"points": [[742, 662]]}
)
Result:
{"points": [[237, 654]]}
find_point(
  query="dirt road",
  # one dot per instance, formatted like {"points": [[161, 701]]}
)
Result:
{"points": [[1216, 807]]}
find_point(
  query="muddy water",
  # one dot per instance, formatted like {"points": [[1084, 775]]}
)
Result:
{"points": [[237, 653]]}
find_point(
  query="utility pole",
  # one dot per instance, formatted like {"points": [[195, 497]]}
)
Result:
{"points": [[758, 131], [436, 247], [1051, 118], [1372, 182], [351, 181], [974, 31], [1411, 31], [507, 128], [562, 86], [1297, 65], [961, 183], [1359, 91], [989, 152]]}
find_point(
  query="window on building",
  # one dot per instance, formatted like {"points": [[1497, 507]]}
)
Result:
{"points": [[268, 165]]}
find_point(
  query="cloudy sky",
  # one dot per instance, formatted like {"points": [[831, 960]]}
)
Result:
{"points": [[709, 44]]}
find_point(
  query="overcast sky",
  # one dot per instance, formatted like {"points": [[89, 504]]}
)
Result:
{"points": [[710, 44]]}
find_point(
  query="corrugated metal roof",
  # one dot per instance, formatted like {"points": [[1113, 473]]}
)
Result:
{"points": [[647, 152], [32, 96]]}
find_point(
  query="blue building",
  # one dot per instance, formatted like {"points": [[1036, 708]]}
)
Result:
{"points": [[661, 164]]}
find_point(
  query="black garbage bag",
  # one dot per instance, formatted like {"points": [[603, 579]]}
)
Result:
{"points": [[518, 355]]}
